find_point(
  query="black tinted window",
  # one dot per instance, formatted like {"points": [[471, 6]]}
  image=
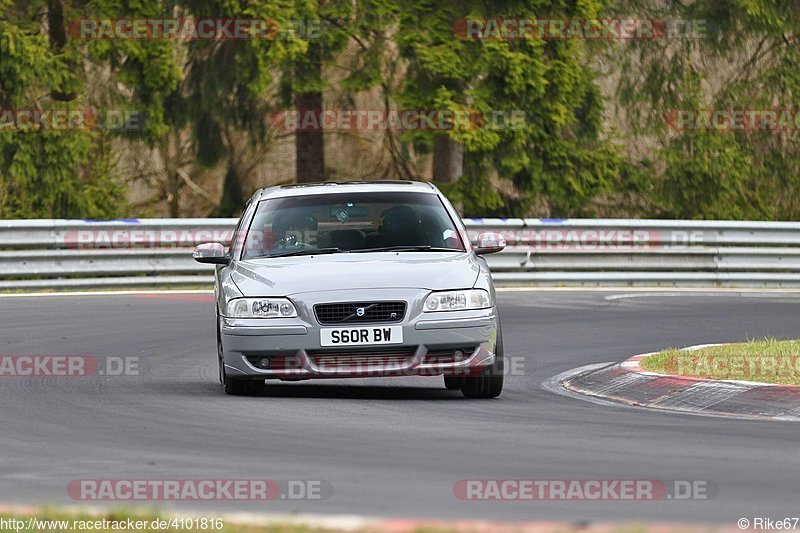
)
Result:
{"points": [[350, 222]]}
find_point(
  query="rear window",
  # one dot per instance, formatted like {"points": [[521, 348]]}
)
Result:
{"points": [[350, 222]]}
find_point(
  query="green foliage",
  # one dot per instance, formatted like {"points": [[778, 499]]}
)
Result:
{"points": [[227, 81], [539, 143], [147, 69], [708, 176], [555, 153], [51, 174], [747, 59], [303, 71]]}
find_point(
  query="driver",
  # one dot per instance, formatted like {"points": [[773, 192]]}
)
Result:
{"points": [[292, 228], [401, 227]]}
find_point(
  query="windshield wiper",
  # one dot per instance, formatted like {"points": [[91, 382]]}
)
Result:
{"points": [[420, 248], [318, 251]]}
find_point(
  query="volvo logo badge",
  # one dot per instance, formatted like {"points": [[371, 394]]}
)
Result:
{"points": [[360, 311]]}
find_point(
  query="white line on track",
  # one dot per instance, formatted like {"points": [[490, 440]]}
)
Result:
{"points": [[756, 293], [655, 290]]}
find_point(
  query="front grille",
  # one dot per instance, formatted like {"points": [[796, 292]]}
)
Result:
{"points": [[348, 313], [375, 358]]}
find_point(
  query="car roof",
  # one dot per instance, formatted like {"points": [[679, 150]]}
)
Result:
{"points": [[331, 187]]}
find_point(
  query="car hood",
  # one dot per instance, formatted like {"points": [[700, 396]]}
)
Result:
{"points": [[421, 270]]}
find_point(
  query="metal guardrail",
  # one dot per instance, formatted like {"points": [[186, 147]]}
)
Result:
{"points": [[57, 254]]}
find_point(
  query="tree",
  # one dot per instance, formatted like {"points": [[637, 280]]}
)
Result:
{"points": [[323, 26], [739, 55], [228, 96], [71, 172], [50, 172], [541, 111]]}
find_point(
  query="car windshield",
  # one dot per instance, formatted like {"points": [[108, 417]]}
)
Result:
{"points": [[350, 222]]}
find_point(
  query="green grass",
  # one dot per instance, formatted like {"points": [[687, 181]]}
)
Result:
{"points": [[767, 360]]}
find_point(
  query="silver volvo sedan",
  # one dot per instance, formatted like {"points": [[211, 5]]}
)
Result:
{"points": [[359, 279]]}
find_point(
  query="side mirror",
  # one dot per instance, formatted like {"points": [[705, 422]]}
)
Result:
{"points": [[212, 253], [489, 243]]}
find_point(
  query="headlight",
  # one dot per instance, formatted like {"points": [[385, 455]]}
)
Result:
{"points": [[261, 308], [458, 300]]}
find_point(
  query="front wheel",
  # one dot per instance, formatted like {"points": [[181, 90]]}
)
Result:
{"points": [[235, 387], [489, 383], [220, 357], [243, 387], [240, 387], [453, 382]]}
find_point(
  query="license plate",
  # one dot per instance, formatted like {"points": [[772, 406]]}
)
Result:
{"points": [[360, 336]]}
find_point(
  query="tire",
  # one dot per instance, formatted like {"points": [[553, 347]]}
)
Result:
{"points": [[244, 387], [235, 387], [453, 382], [220, 357], [489, 383]]}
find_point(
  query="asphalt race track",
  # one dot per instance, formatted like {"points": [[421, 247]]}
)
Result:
{"points": [[391, 447]]}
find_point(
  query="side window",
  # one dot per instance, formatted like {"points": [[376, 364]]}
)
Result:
{"points": [[237, 233]]}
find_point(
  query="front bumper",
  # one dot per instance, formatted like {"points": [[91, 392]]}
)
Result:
{"points": [[294, 344]]}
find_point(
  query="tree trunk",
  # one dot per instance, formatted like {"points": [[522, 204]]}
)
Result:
{"points": [[448, 160], [172, 182], [232, 201], [57, 31], [310, 145]]}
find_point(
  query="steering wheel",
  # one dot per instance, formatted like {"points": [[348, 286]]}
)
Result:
{"points": [[292, 242]]}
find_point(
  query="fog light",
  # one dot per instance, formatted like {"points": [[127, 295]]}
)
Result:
{"points": [[263, 362], [458, 355]]}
